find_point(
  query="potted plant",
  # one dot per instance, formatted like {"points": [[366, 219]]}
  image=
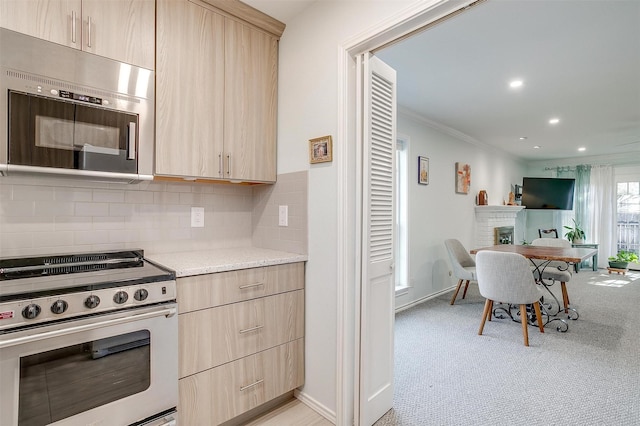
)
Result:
{"points": [[575, 233], [622, 259]]}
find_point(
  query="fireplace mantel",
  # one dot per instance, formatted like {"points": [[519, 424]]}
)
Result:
{"points": [[498, 209]]}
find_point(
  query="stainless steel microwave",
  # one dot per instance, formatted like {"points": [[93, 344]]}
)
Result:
{"points": [[69, 112]]}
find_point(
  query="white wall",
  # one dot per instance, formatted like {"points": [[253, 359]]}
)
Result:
{"points": [[308, 105], [436, 211]]}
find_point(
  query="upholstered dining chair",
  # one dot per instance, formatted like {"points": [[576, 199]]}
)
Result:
{"points": [[507, 278], [556, 271], [464, 267], [549, 233]]}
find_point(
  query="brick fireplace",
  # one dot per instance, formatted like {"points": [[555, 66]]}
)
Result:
{"points": [[488, 218]]}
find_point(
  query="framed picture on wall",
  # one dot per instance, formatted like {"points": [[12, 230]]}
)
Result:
{"points": [[423, 170], [463, 178], [320, 150]]}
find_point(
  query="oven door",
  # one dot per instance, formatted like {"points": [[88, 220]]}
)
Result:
{"points": [[114, 369], [50, 132]]}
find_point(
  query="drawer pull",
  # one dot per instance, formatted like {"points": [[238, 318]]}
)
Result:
{"points": [[246, 330], [242, 287], [242, 388]]}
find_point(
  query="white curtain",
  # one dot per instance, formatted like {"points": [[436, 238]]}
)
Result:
{"points": [[602, 208]]}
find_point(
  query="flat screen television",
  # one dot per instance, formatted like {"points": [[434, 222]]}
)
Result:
{"points": [[548, 193]]}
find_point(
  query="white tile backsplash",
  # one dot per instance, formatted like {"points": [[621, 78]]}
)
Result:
{"points": [[45, 215], [110, 196], [91, 209], [290, 190]]}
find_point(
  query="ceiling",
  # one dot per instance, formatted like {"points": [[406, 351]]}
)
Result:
{"points": [[282, 10], [579, 61]]}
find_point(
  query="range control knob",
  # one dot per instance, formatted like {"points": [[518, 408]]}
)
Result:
{"points": [[92, 301], [140, 294], [59, 306], [31, 311], [120, 297]]}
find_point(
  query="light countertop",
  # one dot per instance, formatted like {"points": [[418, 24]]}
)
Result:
{"points": [[210, 261]]}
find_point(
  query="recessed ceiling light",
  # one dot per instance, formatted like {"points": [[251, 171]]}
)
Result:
{"points": [[582, 148], [537, 147], [554, 121], [522, 138], [516, 83]]}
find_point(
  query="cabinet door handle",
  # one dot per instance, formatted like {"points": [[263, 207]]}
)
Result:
{"points": [[246, 330], [220, 164], [88, 31], [229, 164], [242, 287], [242, 388], [73, 26]]}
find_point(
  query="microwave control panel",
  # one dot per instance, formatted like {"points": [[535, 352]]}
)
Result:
{"points": [[77, 97]]}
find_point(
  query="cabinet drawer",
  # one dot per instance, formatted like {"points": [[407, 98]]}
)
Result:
{"points": [[217, 395], [211, 337], [207, 291]]}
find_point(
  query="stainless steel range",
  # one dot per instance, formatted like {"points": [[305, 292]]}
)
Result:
{"points": [[88, 339]]}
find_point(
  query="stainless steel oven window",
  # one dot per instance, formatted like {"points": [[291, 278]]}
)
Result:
{"points": [[63, 382]]}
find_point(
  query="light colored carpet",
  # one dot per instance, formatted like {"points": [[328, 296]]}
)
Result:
{"points": [[445, 374]]}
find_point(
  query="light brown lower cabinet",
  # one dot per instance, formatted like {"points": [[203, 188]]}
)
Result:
{"points": [[222, 393], [233, 331], [241, 341]]}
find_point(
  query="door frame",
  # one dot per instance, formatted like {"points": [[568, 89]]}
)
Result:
{"points": [[349, 167]]}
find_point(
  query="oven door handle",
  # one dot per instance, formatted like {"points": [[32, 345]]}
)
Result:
{"points": [[167, 312]]}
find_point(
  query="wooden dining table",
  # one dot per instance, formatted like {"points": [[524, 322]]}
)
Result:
{"points": [[563, 254], [540, 257]]}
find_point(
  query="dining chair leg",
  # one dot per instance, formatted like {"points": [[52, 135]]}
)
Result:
{"points": [[490, 310], [466, 287], [455, 294], [565, 297], [523, 320], [536, 308], [487, 310]]}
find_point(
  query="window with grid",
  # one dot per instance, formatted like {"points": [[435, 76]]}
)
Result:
{"points": [[629, 216]]}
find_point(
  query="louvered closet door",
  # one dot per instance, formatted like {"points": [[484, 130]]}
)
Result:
{"points": [[377, 298]]}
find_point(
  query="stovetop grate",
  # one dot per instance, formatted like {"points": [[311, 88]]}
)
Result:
{"points": [[74, 264], [68, 264], [74, 259]]}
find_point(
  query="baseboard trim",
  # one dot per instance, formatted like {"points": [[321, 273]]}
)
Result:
{"points": [[423, 299], [315, 406]]}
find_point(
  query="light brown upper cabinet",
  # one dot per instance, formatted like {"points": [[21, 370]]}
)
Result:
{"points": [[118, 29], [216, 88], [189, 90], [251, 76]]}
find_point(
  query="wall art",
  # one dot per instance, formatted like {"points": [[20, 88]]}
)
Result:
{"points": [[463, 178], [320, 150], [423, 170]]}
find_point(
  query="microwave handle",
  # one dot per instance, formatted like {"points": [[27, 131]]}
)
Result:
{"points": [[131, 142]]}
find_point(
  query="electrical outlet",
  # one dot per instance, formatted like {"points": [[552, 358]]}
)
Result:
{"points": [[283, 216], [197, 217]]}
